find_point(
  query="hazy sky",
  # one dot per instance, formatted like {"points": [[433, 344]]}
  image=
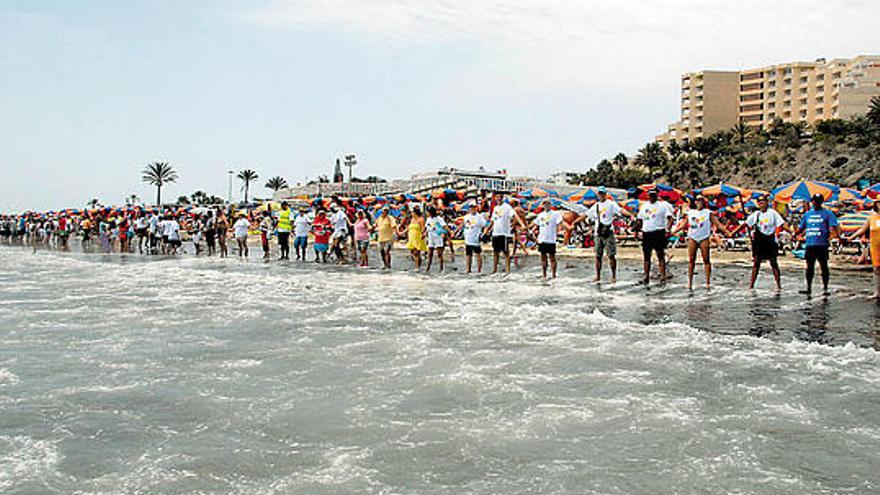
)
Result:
{"points": [[91, 91]]}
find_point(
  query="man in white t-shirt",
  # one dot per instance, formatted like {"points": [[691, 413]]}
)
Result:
{"points": [[240, 228], [503, 215], [340, 223], [764, 222], [602, 215], [301, 225], [172, 233], [548, 222], [655, 221], [473, 224]]}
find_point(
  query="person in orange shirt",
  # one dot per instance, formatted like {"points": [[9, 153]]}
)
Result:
{"points": [[873, 226]]}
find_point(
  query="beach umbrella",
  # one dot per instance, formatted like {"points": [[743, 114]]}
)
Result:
{"points": [[722, 189], [631, 204], [852, 222], [872, 192], [586, 194], [847, 194], [666, 192], [537, 192], [804, 190]]}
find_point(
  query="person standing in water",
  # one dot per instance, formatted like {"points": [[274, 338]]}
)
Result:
{"points": [[321, 228], [872, 227], [602, 214], [548, 222], [362, 229], [765, 222], [285, 225], [436, 233], [503, 216], [301, 226], [473, 224], [222, 231], [240, 230], [415, 240], [210, 233], [818, 226], [267, 226], [699, 221], [385, 226], [655, 221]]}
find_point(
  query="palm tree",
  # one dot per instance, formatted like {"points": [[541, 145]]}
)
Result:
{"points": [[132, 200], [94, 203], [620, 160], [276, 183], [247, 176], [199, 197], [159, 174], [182, 200], [652, 157], [741, 132], [874, 111]]}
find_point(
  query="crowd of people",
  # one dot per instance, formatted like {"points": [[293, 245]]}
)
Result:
{"points": [[341, 230]]}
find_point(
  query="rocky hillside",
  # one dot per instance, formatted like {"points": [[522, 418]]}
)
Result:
{"points": [[838, 151]]}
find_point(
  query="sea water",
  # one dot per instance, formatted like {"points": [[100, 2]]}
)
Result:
{"points": [[129, 374]]}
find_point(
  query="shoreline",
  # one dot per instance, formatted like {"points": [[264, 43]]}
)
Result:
{"points": [[629, 253]]}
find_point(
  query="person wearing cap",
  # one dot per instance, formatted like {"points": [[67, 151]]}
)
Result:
{"points": [[548, 223], [267, 226], [472, 226], [385, 228], [503, 216], [818, 226], [765, 222], [602, 214], [435, 231], [240, 229], [655, 221], [699, 221], [301, 226], [321, 228], [872, 227]]}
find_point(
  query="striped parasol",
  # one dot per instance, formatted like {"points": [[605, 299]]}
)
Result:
{"points": [[803, 190]]}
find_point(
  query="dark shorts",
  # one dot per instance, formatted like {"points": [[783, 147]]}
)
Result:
{"points": [[500, 243], [362, 245], [547, 248], [816, 253], [654, 241], [300, 242], [472, 250], [141, 232], [284, 239], [764, 247]]}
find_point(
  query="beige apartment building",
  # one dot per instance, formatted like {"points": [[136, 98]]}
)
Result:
{"points": [[794, 92]]}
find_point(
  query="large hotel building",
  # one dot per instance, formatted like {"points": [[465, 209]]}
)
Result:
{"points": [[794, 92]]}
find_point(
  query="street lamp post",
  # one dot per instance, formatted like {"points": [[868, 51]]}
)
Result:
{"points": [[350, 162], [229, 196]]}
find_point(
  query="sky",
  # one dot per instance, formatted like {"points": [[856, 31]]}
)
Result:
{"points": [[92, 91]]}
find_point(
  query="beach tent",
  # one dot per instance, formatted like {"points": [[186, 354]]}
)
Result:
{"points": [[803, 190]]}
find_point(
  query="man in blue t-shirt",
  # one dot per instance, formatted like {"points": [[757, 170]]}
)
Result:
{"points": [[818, 225]]}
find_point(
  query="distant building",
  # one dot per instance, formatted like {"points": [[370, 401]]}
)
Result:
{"points": [[564, 178], [794, 92]]}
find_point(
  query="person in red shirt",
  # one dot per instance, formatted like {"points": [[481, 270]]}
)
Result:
{"points": [[321, 229]]}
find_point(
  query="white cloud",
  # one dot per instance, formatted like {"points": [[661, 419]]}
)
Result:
{"points": [[535, 45]]}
